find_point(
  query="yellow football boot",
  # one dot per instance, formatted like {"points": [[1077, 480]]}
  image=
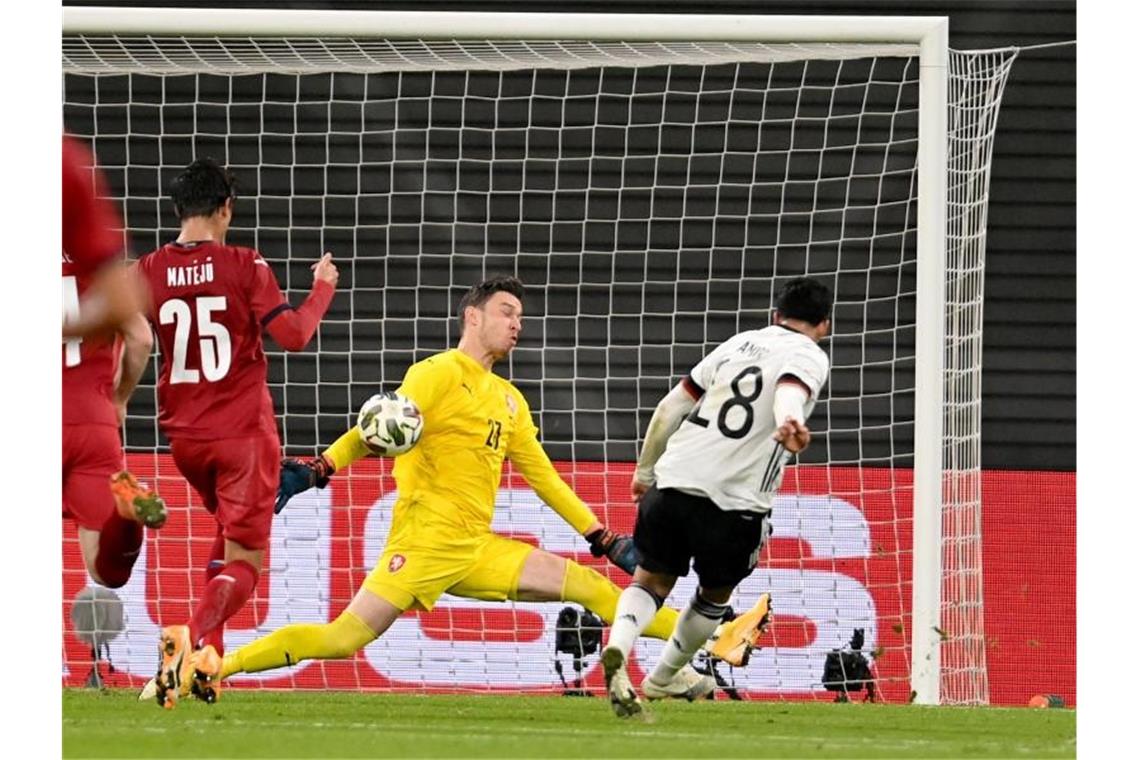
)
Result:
{"points": [[734, 641]]}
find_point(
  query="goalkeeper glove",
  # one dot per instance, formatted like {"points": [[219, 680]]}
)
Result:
{"points": [[299, 475], [616, 547]]}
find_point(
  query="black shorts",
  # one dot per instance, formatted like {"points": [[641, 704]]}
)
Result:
{"points": [[674, 527]]}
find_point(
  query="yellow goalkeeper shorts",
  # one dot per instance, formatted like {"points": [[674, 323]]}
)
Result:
{"points": [[425, 558]]}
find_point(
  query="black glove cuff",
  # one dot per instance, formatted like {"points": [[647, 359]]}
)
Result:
{"points": [[323, 468], [596, 539]]}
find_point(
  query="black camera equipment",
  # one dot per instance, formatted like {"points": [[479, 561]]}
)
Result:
{"points": [[848, 671], [578, 634]]}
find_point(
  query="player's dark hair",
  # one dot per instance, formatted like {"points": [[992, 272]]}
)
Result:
{"points": [[202, 188], [478, 294], [805, 298]]}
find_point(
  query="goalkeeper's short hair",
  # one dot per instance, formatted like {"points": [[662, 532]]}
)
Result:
{"points": [[479, 293]]}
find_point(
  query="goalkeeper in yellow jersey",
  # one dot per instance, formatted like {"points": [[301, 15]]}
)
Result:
{"points": [[441, 539]]}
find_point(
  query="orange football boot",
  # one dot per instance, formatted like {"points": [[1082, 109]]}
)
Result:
{"points": [[175, 665], [135, 501], [206, 684]]}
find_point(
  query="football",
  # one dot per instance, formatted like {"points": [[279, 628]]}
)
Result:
{"points": [[389, 424]]}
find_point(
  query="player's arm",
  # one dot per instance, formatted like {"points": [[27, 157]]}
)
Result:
{"points": [[667, 417], [92, 243], [291, 328], [299, 475], [788, 409], [115, 296], [530, 459], [799, 382], [424, 384], [137, 343]]}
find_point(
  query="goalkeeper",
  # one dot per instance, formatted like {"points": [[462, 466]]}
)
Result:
{"points": [[441, 539]]}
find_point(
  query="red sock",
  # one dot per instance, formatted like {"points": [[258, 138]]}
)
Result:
{"points": [[216, 637], [119, 542], [224, 595]]}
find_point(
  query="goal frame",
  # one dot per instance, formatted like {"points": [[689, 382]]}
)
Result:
{"points": [[930, 33]]}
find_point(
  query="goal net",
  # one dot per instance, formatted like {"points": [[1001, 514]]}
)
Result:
{"points": [[653, 195]]}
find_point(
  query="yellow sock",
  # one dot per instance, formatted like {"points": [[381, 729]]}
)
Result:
{"points": [[598, 594], [341, 638]]}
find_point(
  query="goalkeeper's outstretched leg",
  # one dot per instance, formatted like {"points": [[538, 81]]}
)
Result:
{"points": [[365, 619], [509, 569], [598, 594], [543, 577]]}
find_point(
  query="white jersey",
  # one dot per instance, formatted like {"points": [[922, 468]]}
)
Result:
{"points": [[724, 450]]}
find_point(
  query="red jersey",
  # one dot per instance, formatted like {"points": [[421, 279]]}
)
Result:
{"points": [[210, 303], [90, 222], [90, 365]]}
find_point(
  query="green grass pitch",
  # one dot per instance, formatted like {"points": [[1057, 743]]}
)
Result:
{"points": [[250, 724]]}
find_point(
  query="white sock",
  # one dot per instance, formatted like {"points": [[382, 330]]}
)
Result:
{"points": [[636, 607], [697, 622]]}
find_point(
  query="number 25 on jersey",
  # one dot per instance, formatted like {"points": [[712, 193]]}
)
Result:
{"points": [[213, 341]]}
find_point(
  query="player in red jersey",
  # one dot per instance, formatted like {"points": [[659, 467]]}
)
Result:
{"points": [[102, 362], [210, 303], [92, 246]]}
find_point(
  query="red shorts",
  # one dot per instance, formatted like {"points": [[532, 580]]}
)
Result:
{"points": [[91, 455], [237, 480]]}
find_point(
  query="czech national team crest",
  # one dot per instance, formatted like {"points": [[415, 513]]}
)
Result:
{"points": [[396, 562], [512, 405]]}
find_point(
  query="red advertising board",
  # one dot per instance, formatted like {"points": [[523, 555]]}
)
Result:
{"points": [[1030, 564], [839, 559]]}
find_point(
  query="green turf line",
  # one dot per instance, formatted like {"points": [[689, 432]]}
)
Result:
{"points": [[250, 724]]}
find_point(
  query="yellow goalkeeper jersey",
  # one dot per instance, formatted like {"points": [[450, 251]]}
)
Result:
{"points": [[473, 420]]}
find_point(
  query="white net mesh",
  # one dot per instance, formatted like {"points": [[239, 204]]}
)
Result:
{"points": [[977, 81], [654, 197], [308, 55]]}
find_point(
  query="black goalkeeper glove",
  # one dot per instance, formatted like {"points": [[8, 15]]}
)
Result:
{"points": [[618, 548], [299, 475]]}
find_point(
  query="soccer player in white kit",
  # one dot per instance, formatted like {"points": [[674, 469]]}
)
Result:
{"points": [[710, 466]]}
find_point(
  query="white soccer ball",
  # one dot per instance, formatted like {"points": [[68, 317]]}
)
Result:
{"points": [[390, 424]]}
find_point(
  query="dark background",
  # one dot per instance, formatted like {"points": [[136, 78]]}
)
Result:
{"points": [[1029, 375]]}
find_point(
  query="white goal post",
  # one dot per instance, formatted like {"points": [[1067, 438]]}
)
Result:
{"points": [[946, 336]]}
